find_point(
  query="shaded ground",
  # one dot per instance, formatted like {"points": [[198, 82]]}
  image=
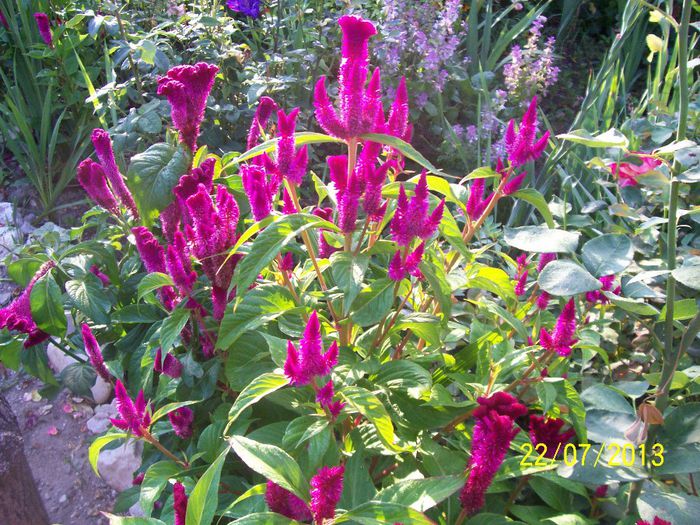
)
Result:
{"points": [[56, 442]]}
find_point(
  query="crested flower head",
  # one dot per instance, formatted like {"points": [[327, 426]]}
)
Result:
{"points": [[187, 89], [92, 349], [153, 258], [491, 439], [92, 178], [18, 314], [42, 23], [262, 114], [168, 365], [413, 218], [133, 415], [326, 490], [179, 503], [178, 264], [522, 145], [181, 419], [547, 431], [561, 338], [105, 153], [260, 189], [309, 361], [287, 504]]}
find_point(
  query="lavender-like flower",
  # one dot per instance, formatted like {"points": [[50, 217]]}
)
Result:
{"points": [[249, 8], [522, 145], [181, 419], [262, 114], [187, 89], [560, 339], [412, 219], [326, 490], [287, 504], [133, 415], [18, 314], [92, 349], [168, 365], [42, 23], [491, 439], [103, 148], [92, 178], [547, 431], [302, 365], [179, 503]]}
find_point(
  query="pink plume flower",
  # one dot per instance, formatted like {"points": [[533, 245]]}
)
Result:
{"points": [[260, 189], [188, 186], [520, 285], [324, 248], [544, 260], [560, 339], [475, 201], [168, 365], [181, 419], [18, 314], [291, 162], [491, 439], [179, 503], [547, 431], [326, 490], [133, 415], [412, 218], [514, 184], [522, 145], [288, 206], [374, 180], [103, 148], [657, 521], [397, 125], [3, 20], [95, 270], [324, 397], [92, 349], [287, 504], [262, 114], [543, 301], [92, 178], [287, 262], [179, 266], [187, 89], [309, 361], [42, 23]]}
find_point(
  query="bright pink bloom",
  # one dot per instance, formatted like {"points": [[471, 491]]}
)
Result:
{"points": [[3, 20], [522, 145], [42, 22], [412, 218], [601, 491], [374, 180], [287, 262], [291, 162], [520, 285], [152, 253], [476, 204], [326, 490], [92, 349], [544, 260], [548, 432], [92, 178], [324, 397], [103, 148], [597, 296], [188, 186], [283, 502], [628, 172], [262, 114], [397, 125], [179, 503], [181, 419], [491, 439], [168, 365], [514, 184], [138, 478], [288, 206], [187, 89], [657, 521], [179, 266], [302, 365], [560, 339], [324, 248], [522, 262], [543, 301], [18, 314], [133, 415], [260, 189], [398, 268], [95, 270]]}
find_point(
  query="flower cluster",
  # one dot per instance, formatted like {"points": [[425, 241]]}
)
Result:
{"points": [[287, 504], [179, 503], [521, 144], [181, 419], [42, 23], [309, 361], [134, 416], [491, 439], [657, 521], [597, 296], [92, 349], [168, 365], [561, 338], [627, 173], [547, 431]]}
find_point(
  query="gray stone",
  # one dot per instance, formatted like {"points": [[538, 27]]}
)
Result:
{"points": [[100, 421], [117, 466]]}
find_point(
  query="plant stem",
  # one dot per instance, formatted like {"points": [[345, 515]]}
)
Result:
{"points": [[66, 351], [153, 441]]}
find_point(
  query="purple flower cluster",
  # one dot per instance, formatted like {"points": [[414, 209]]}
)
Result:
{"points": [[92, 349], [309, 361], [179, 503], [42, 23], [181, 419], [561, 338], [133, 415], [597, 296], [168, 365], [547, 431], [287, 504], [249, 8], [522, 144]]}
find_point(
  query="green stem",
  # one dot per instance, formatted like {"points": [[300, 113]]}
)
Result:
{"points": [[66, 351]]}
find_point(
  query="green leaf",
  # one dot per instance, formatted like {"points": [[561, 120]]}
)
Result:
{"points": [[152, 176], [381, 513], [425, 326], [89, 297], [688, 276], [166, 409], [79, 378], [154, 481], [374, 302], [153, 281], [566, 278], [254, 392], [635, 306], [434, 273], [172, 326], [421, 494], [270, 242], [204, 500], [137, 313], [259, 306], [541, 240], [348, 272], [534, 197], [676, 508], [272, 463], [682, 310], [609, 139], [129, 520], [494, 280], [265, 518], [47, 306], [406, 376], [369, 405], [607, 254], [404, 148], [99, 444], [577, 412]]}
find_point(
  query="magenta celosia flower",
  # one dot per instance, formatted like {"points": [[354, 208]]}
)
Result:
{"points": [[18, 314], [412, 218], [42, 22], [597, 296], [560, 339], [326, 490], [400, 268], [181, 419], [179, 503], [548, 432], [476, 203], [260, 189], [286, 264], [133, 415], [324, 397], [178, 264], [138, 478], [92, 178], [522, 145], [397, 125], [491, 439], [187, 89], [103, 148], [374, 183], [153, 258], [309, 361], [262, 114], [189, 184], [657, 521], [287, 504], [168, 365], [92, 349], [95, 270], [627, 172], [348, 192], [3, 20], [514, 184], [544, 260], [290, 163], [542, 301], [324, 248], [520, 285], [601, 491]]}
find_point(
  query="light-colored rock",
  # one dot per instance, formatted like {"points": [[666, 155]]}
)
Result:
{"points": [[100, 421], [7, 214], [58, 360], [101, 391], [117, 466]]}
